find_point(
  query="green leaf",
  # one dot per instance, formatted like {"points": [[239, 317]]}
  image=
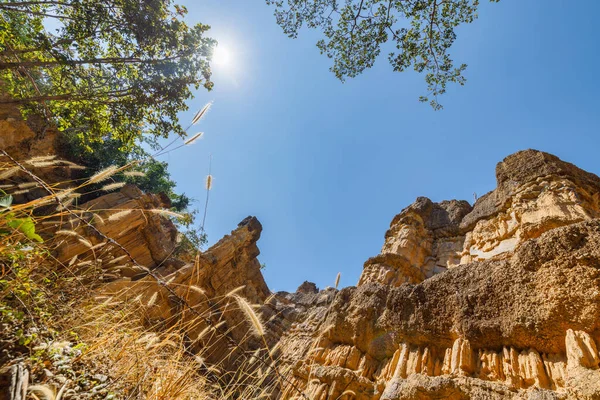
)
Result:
{"points": [[25, 226]]}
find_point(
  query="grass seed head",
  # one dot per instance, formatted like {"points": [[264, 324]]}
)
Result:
{"points": [[119, 215], [250, 315], [103, 174], [66, 232], [152, 300], [193, 139], [200, 114], [113, 186], [7, 173], [133, 174]]}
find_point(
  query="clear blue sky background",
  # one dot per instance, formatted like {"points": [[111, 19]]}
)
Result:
{"points": [[325, 166]]}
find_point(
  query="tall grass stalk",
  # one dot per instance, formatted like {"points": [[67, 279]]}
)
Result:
{"points": [[208, 186], [146, 358]]}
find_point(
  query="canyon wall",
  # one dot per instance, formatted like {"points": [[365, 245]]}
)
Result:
{"points": [[496, 300]]}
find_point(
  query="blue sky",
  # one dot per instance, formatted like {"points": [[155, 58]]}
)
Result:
{"points": [[326, 165]]}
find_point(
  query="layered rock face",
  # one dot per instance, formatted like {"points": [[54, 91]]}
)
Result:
{"points": [[127, 240], [22, 143], [218, 331], [536, 192], [423, 240], [130, 218], [501, 300]]}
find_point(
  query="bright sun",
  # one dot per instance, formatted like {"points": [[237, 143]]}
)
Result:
{"points": [[221, 56]]}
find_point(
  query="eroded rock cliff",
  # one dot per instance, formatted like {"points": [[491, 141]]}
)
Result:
{"points": [[501, 300], [498, 300], [491, 301]]}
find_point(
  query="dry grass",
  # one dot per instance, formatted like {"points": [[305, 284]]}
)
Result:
{"points": [[193, 139], [201, 113], [151, 362], [112, 186], [118, 335], [143, 362], [251, 316]]}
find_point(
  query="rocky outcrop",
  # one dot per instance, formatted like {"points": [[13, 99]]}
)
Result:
{"points": [[130, 218], [536, 192], [295, 321], [502, 321], [20, 140], [501, 300], [492, 301], [218, 331], [35, 144], [128, 240], [461, 303], [423, 240]]}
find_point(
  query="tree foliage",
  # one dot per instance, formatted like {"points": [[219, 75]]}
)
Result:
{"points": [[117, 68], [422, 32]]}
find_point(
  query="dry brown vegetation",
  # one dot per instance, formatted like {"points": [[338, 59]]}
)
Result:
{"points": [[78, 341]]}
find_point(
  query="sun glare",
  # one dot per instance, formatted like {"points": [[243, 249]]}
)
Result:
{"points": [[221, 56]]}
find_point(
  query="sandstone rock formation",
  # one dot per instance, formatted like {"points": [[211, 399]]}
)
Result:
{"points": [[24, 144], [148, 236], [536, 192], [130, 218], [501, 300], [207, 286], [423, 240], [492, 301]]}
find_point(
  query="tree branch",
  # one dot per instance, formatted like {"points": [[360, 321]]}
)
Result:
{"points": [[112, 60]]}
